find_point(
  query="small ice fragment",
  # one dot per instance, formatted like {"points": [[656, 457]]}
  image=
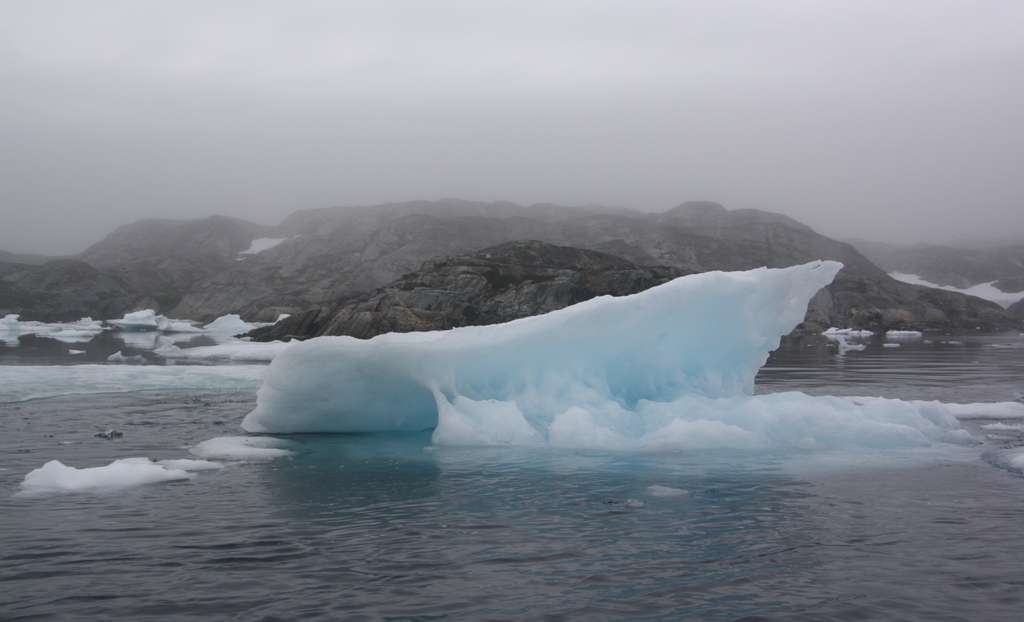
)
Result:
{"points": [[666, 491], [635, 503], [890, 345], [121, 359], [848, 332], [243, 448], [76, 351], [55, 477]]}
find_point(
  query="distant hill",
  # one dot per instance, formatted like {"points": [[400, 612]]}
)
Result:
{"points": [[945, 265], [326, 259]]}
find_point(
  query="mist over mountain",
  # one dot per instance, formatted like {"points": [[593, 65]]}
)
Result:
{"points": [[336, 260]]}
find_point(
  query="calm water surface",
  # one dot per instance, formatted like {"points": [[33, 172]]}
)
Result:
{"points": [[386, 527]]}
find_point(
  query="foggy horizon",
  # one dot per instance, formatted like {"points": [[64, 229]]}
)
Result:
{"points": [[891, 123]]}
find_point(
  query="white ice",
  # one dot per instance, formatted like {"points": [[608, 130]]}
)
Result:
{"points": [[24, 382], [666, 491], [69, 332], [847, 332], [243, 448], [148, 320], [261, 244], [55, 477], [237, 352], [994, 410], [987, 291], [119, 359]]}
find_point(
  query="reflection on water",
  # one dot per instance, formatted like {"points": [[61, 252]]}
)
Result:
{"points": [[957, 368]]}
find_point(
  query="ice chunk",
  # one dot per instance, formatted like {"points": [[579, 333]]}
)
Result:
{"points": [[24, 382], [70, 332], [847, 332], [144, 320], [243, 448], [890, 345], [121, 359], [55, 477], [261, 244], [231, 324], [994, 410], [236, 352], [190, 465]]}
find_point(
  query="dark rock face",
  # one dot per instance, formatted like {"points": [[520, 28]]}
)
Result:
{"points": [[164, 259], [64, 290], [498, 284]]}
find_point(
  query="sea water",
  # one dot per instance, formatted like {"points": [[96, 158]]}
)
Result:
{"points": [[390, 527]]}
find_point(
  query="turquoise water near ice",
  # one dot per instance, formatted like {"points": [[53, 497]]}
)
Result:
{"points": [[387, 527]]}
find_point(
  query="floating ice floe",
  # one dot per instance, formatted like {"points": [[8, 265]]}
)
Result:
{"points": [[69, 332], [986, 291], [994, 410], [119, 359], [666, 491], [847, 332], [148, 320], [238, 352], [55, 477], [243, 448]]}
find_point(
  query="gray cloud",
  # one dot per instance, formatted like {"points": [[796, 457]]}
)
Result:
{"points": [[890, 121]]}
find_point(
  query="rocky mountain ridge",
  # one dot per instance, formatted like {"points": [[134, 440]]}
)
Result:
{"points": [[330, 258]]}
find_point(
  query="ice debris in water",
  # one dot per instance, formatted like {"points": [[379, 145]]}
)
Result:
{"points": [[243, 448], [69, 332], [121, 359], [847, 332], [109, 434], [55, 477]]}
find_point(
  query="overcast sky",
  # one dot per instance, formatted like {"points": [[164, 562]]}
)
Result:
{"points": [[894, 121]]}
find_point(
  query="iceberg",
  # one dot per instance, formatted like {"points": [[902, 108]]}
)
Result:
{"points": [[669, 369]]}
